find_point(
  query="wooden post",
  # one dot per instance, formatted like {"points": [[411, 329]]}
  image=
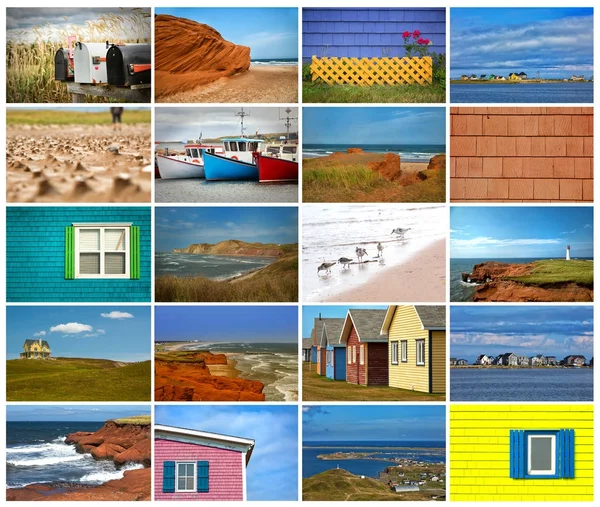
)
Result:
{"points": [[78, 98], [137, 93]]}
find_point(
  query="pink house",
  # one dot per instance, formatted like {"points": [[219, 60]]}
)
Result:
{"points": [[196, 465]]}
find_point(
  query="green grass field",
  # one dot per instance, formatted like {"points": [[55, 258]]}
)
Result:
{"points": [[556, 272], [402, 94], [77, 379], [137, 420], [63, 117]]}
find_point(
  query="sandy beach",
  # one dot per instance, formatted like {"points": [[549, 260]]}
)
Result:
{"points": [[421, 279], [224, 370], [78, 163], [262, 84]]}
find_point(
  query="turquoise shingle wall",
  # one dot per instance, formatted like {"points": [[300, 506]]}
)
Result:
{"points": [[35, 255]]}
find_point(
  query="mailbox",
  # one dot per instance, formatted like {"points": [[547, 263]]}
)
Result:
{"points": [[90, 62], [63, 66], [129, 64]]}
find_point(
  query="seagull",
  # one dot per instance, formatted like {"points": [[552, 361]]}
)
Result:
{"points": [[360, 253], [379, 249], [345, 262], [400, 232], [325, 266]]}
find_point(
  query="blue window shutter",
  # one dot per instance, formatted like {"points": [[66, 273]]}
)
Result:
{"points": [[202, 476], [69, 252], [566, 453], [168, 477], [517, 454]]}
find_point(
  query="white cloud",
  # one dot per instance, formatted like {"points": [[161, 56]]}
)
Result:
{"points": [[71, 328], [484, 241], [41, 333], [117, 315], [100, 331]]}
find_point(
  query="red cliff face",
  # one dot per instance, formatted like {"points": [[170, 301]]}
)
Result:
{"points": [[490, 271], [388, 168], [437, 162], [233, 247], [189, 54], [508, 291]]}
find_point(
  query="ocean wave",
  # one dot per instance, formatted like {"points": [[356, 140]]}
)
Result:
{"points": [[59, 448], [23, 463], [109, 475]]}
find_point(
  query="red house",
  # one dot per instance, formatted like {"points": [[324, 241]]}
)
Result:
{"points": [[196, 465], [366, 348]]}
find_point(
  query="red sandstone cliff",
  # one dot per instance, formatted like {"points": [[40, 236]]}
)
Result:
{"points": [[188, 54], [233, 247]]}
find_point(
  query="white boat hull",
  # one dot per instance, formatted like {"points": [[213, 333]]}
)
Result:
{"points": [[172, 168]]}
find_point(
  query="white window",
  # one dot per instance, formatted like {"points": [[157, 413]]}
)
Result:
{"points": [[404, 351], [541, 454], [185, 479], [394, 352], [349, 355], [329, 357], [420, 352], [102, 250], [362, 353], [354, 354]]}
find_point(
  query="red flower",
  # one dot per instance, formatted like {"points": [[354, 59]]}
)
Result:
{"points": [[426, 42], [406, 34], [421, 41], [416, 33]]}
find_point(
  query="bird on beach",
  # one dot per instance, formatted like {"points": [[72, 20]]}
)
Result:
{"points": [[379, 249], [326, 266], [345, 262], [400, 231], [360, 253]]}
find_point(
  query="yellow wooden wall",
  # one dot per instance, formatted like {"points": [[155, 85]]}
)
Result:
{"points": [[480, 452], [438, 361]]}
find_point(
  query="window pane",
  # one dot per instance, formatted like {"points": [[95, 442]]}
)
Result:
{"points": [[114, 240], [89, 240], [541, 453], [114, 264], [89, 264], [189, 483], [181, 483], [180, 469]]}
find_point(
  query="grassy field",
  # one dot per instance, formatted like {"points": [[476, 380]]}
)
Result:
{"points": [[320, 388], [70, 117], [556, 272], [137, 420], [401, 94], [277, 282], [77, 379]]}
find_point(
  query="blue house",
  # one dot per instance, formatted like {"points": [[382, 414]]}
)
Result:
{"points": [[78, 254], [368, 33], [335, 350]]}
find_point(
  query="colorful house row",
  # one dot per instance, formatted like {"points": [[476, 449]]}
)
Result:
{"points": [[403, 347]]}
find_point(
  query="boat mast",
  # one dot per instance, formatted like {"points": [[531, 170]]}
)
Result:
{"points": [[288, 122], [242, 114]]}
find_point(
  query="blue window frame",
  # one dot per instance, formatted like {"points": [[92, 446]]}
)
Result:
{"points": [[542, 454]]}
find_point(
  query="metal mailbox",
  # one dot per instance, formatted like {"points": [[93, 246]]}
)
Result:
{"points": [[129, 64], [90, 62]]}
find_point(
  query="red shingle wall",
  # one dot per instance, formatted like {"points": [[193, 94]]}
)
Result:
{"points": [[378, 364], [521, 154], [225, 480]]}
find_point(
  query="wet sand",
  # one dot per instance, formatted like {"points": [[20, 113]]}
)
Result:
{"points": [[421, 279], [263, 84], [78, 163]]}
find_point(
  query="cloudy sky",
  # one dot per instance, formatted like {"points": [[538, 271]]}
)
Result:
{"points": [[72, 413], [557, 42], [492, 232], [186, 123], [550, 330], [119, 333], [21, 22], [272, 472]]}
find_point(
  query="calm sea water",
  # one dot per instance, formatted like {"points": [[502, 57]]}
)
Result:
{"points": [[407, 152], [311, 465], [215, 267], [582, 93], [274, 61], [523, 384], [36, 452]]}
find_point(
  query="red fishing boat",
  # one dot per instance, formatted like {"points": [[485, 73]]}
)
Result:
{"points": [[272, 168]]}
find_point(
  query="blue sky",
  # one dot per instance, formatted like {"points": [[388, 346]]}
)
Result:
{"points": [[311, 312], [550, 330], [115, 332], [557, 42], [269, 32], [72, 413], [275, 324], [178, 227], [520, 232], [374, 125], [272, 472], [402, 423]]}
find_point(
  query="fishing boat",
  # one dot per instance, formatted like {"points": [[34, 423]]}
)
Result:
{"points": [[277, 166], [190, 165], [220, 168]]}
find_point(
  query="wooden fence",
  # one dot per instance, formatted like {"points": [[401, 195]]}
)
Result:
{"points": [[372, 71]]}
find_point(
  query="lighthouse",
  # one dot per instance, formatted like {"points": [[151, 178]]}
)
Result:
{"points": [[568, 257]]}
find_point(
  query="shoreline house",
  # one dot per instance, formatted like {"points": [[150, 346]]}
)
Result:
{"points": [[508, 359], [551, 361], [574, 360], [366, 347], [335, 350], [197, 465], [484, 360], [35, 349], [417, 347], [306, 349], [538, 360], [523, 361], [462, 362]]}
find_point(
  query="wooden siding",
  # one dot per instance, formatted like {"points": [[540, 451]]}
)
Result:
{"points": [[480, 452], [377, 374], [356, 373], [438, 361], [321, 361]]}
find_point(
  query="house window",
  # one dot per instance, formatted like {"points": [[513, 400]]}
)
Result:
{"points": [[329, 357], [353, 354], [186, 476], [394, 352], [404, 351], [102, 251], [349, 355], [362, 353], [420, 352], [542, 454]]}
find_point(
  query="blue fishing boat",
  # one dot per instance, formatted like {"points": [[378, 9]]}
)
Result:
{"points": [[217, 167]]}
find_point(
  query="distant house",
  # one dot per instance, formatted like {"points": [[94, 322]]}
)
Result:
{"points": [[574, 360], [551, 361], [464, 77], [500, 78], [484, 360], [306, 349], [35, 349], [462, 362], [522, 75], [523, 361], [491, 77], [483, 77], [577, 78], [514, 77], [452, 361], [538, 360], [197, 465], [335, 368], [508, 359], [473, 77]]}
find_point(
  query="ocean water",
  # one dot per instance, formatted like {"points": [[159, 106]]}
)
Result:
{"points": [[581, 93], [422, 450], [215, 267], [522, 384], [274, 61], [333, 231], [36, 452], [407, 152], [463, 292]]}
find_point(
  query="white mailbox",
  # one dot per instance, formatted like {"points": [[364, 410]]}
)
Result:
{"points": [[90, 62]]}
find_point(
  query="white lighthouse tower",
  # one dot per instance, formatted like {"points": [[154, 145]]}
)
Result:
{"points": [[568, 257]]}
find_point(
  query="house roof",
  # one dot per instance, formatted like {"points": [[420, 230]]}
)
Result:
{"points": [[367, 323], [431, 317], [321, 339], [332, 331], [306, 343], [29, 342], [205, 438]]}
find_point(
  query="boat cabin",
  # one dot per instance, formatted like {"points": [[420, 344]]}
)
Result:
{"points": [[283, 151], [241, 148], [194, 151]]}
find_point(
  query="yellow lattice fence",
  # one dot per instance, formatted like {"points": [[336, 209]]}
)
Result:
{"points": [[372, 71]]}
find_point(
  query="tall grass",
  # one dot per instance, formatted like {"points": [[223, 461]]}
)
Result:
{"points": [[30, 64], [558, 272], [73, 117]]}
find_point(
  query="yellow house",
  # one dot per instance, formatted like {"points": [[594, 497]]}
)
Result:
{"points": [[522, 453], [35, 349], [514, 77], [416, 347]]}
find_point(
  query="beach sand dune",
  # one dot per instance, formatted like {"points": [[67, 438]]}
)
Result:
{"points": [[78, 163]]}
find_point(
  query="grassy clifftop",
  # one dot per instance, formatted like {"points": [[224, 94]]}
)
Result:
{"points": [[553, 272]]}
